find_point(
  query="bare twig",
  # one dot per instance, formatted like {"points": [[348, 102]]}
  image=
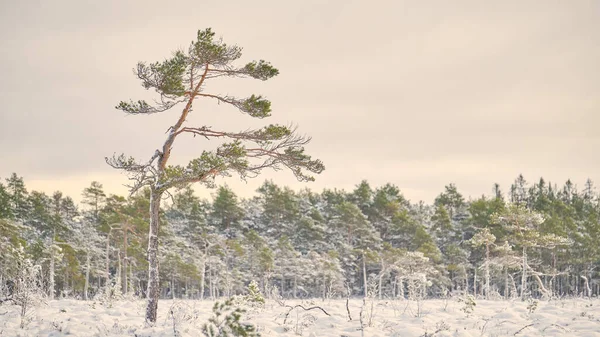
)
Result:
{"points": [[558, 326], [348, 309], [523, 328], [347, 302], [362, 325], [8, 299], [305, 309]]}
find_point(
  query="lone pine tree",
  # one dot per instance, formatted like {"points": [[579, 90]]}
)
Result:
{"points": [[179, 81]]}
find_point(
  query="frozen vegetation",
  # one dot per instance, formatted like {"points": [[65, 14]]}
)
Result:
{"points": [[521, 264], [435, 317]]}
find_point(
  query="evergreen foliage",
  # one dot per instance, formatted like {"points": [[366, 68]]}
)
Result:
{"points": [[307, 244]]}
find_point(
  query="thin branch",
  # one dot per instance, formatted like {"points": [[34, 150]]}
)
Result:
{"points": [[305, 309], [523, 328]]}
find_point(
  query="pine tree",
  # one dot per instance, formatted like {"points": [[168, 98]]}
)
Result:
{"points": [[182, 79], [18, 197], [387, 203], [226, 213], [485, 238], [6, 211], [524, 225], [94, 197], [280, 210]]}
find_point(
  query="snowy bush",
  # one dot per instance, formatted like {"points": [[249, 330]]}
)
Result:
{"points": [[27, 291], [109, 294], [469, 304], [531, 305], [254, 297], [226, 322]]}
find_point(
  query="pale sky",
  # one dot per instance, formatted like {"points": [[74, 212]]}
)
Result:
{"points": [[416, 93]]}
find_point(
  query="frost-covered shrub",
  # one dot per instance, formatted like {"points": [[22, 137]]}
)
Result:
{"points": [[254, 296], [109, 294], [531, 305], [183, 318], [226, 321], [27, 291], [469, 304]]}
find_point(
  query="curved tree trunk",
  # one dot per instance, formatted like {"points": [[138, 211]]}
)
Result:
{"points": [[153, 281], [545, 292]]}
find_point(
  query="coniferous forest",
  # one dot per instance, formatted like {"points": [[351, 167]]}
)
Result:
{"points": [[535, 239]]}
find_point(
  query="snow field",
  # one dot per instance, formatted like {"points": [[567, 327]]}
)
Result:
{"points": [[435, 317]]}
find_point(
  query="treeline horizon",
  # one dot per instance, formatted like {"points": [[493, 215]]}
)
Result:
{"points": [[534, 240]]}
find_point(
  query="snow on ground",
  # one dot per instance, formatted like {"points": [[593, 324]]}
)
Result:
{"points": [[439, 317]]}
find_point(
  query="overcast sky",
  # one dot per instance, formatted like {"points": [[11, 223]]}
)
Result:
{"points": [[416, 93]]}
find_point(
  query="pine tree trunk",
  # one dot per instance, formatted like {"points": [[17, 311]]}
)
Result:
{"points": [[87, 276], [524, 276], [153, 281], [381, 278], [295, 285], [400, 285], [108, 258], [266, 287], [125, 259], [173, 285], [282, 283], [202, 277], [210, 284], [118, 282], [474, 282], [466, 292], [487, 271], [52, 267], [506, 290], [131, 285], [364, 265]]}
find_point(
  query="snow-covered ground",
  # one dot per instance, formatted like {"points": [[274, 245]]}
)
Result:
{"points": [[564, 317]]}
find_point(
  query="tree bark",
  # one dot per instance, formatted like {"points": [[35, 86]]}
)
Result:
{"points": [[295, 286], [487, 270], [506, 290], [153, 281], [108, 258], [282, 282], [87, 275], [202, 277], [118, 281], [474, 282], [381, 277], [172, 285], [52, 267], [125, 286], [364, 266], [466, 292], [545, 292], [524, 276]]}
